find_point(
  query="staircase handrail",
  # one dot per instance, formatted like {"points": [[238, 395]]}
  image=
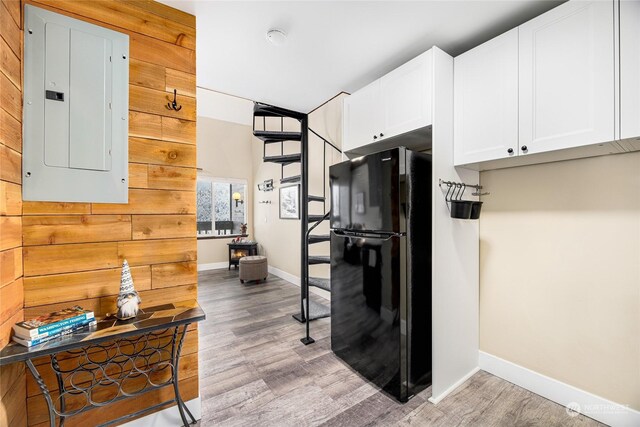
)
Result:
{"points": [[325, 140]]}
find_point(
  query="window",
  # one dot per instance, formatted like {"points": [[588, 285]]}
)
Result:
{"points": [[221, 206]]}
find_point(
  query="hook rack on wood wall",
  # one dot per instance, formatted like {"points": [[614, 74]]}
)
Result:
{"points": [[173, 105]]}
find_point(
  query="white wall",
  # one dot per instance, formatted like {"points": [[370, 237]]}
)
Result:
{"points": [[455, 252], [560, 272], [224, 150]]}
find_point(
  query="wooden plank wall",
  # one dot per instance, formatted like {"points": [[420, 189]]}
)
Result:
{"points": [[72, 252], [12, 378]]}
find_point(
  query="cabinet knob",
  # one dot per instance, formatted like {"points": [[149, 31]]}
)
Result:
{"points": [[375, 136], [381, 135], [523, 148], [510, 151]]}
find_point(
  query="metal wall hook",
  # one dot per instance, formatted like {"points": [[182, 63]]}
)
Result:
{"points": [[454, 184], [173, 105]]}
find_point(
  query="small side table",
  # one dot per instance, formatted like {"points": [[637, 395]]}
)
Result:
{"points": [[239, 250], [134, 356]]}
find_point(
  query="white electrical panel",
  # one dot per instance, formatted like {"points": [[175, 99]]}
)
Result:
{"points": [[76, 110]]}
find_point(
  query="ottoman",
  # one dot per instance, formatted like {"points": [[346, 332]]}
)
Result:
{"points": [[253, 267]]}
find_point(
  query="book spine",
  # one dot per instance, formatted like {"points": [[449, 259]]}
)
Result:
{"points": [[63, 332], [56, 327], [58, 330]]}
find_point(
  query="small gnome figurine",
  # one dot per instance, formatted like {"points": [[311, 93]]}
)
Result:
{"points": [[128, 299]]}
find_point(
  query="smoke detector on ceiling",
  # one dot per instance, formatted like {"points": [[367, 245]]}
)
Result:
{"points": [[276, 37]]}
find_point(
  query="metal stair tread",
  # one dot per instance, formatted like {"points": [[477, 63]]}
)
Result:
{"points": [[318, 238], [284, 159], [276, 136], [288, 179], [316, 309], [321, 283], [315, 218], [266, 110], [319, 259]]}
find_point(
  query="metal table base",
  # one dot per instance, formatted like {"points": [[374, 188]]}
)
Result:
{"points": [[118, 364]]}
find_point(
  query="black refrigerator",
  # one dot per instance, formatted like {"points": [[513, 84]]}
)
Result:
{"points": [[381, 268]]}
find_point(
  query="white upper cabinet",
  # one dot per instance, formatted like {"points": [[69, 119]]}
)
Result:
{"points": [[393, 105], [405, 97], [361, 116], [486, 101], [629, 69], [566, 70]]}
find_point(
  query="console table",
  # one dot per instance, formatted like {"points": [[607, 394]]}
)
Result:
{"points": [[239, 250], [132, 357]]}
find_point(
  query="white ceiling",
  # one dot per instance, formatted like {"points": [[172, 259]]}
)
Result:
{"points": [[333, 46]]}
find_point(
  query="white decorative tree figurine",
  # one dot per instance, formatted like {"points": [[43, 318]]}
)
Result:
{"points": [[128, 299]]}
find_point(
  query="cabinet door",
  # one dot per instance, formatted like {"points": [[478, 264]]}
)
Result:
{"points": [[629, 69], [405, 95], [75, 115], [486, 101], [566, 70], [361, 116]]}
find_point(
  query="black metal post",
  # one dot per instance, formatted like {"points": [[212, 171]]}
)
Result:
{"points": [[304, 229], [56, 368], [304, 215], [45, 392], [176, 350]]}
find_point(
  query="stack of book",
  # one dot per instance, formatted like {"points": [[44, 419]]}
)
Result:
{"points": [[53, 325]]}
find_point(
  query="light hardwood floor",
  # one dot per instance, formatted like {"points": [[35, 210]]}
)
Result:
{"points": [[254, 371]]}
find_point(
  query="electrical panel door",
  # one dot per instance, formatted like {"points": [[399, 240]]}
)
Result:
{"points": [[76, 83]]}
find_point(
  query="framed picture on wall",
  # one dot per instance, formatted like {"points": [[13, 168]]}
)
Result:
{"points": [[290, 202]]}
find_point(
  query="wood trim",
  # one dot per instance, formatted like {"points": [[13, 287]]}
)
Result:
{"points": [[10, 64], [142, 201], [13, 8], [328, 101], [10, 198], [165, 11], [11, 97], [145, 227], [167, 275], [10, 232], [10, 165], [12, 407], [55, 208], [9, 28], [128, 17], [54, 259], [10, 131], [12, 298], [8, 376], [12, 378], [69, 287], [60, 229], [154, 101], [11, 262], [155, 152]]}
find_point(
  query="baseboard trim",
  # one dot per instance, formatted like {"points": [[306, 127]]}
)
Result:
{"points": [[168, 417], [213, 266], [590, 405], [435, 400], [296, 281], [284, 275]]}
